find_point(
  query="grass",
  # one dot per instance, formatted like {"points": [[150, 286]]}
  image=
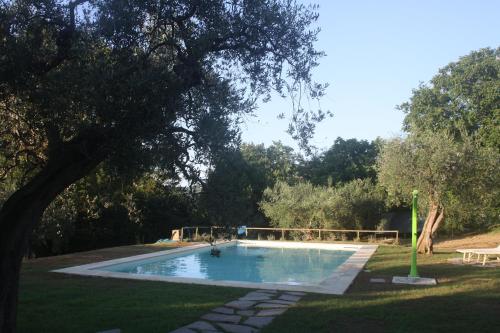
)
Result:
{"points": [[466, 299], [52, 302]]}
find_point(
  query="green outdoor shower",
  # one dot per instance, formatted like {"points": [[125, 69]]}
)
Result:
{"points": [[413, 270]]}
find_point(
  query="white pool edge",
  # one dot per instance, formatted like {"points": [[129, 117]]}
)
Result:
{"points": [[335, 284]]}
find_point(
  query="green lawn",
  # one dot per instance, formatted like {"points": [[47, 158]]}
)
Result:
{"points": [[467, 299], [53, 302]]}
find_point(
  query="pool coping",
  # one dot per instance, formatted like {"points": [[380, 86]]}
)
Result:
{"points": [[336, 284]]}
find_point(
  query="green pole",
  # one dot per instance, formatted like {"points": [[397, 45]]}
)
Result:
{"points": [[413, 271]]}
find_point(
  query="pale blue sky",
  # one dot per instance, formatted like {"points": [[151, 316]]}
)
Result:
{"points": [[377, 52]]}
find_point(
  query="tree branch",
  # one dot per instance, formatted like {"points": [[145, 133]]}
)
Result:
{"points": [[64, 39]]}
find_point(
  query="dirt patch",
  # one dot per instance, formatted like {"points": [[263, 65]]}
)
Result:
{"points": [[469, 242], [489, 264]]}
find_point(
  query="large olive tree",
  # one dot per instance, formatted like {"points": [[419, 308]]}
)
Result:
{"points": [[451, 154], [85, 80], [462, 98], [458, 180]]}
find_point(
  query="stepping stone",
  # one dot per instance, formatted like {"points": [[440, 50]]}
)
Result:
{"points": [[271, 312], [271, 306], [292, 298], [201, 325], [258, 321], [241, 305], [280, 301], [221, 317], [211, 331], [269, 291], [255, 296], [295, 293], [223, 310], [183, 330], [230, 328], [246, 313], [377, 280]]}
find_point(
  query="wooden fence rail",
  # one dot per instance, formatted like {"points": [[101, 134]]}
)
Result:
{"points": [[283, 230]]}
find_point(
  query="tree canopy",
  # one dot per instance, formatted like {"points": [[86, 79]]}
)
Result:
{"points": [[451, 154], [464, 97], [150, 83], [456, 179], [344, 161], [238, 178], [358, 204]]}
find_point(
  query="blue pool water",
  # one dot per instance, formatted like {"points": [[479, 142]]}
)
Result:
{"points": [[244, 263]]}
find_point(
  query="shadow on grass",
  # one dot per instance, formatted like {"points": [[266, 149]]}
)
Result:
{"points": [[90, 304], [466, 299], [54, 302], [460, 312]]}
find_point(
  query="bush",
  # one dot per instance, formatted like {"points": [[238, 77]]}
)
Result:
{"points": [[358, 204]]}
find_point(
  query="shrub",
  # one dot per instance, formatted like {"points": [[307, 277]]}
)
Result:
{"points": [[355, 205]]}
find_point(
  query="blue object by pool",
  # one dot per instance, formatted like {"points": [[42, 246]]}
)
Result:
{"points": [[292, 266], [242, 230]]}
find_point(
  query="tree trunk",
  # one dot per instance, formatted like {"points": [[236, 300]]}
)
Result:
{"points": [[24, 209], [434, 219], [422, 240]]}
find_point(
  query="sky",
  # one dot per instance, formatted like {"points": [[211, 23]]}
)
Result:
{"points": [[377, 52]]}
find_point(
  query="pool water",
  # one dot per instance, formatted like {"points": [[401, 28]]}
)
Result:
{"points": [[244, 263]]}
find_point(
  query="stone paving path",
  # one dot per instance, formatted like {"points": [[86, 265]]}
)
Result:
{"points": [[247, 314]]}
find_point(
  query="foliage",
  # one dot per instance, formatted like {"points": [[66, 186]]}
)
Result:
{"points": [[464, 95], [228, 196], [166, 82], [235, 184], [358, 204], [280, 162], [344, 161], [452, 152], [460, 176], [104, 210], [160, 84], [295, 206]]}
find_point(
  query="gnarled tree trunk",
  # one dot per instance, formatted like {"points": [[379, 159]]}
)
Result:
{"points": [[24, 209], [434, 219]]}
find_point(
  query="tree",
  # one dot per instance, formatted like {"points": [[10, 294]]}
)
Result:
{"points": [[458, 179], [83, 81], [107, 209], [238, 179], [453, 145], [295, 206], [462, 98], [281, 163], [356, 204], [231, 187], [344, 161]]}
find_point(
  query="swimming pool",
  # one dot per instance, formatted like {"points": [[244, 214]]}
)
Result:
{"points": [[300, 266]]}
